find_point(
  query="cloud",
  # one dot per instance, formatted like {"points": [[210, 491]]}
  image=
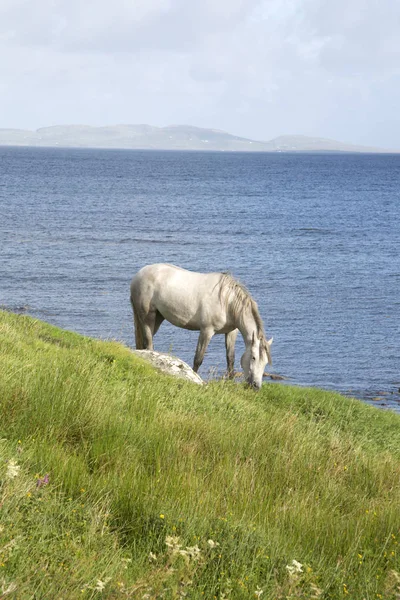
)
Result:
{"points": [[121, 25], [257, 68], [356, 37]]}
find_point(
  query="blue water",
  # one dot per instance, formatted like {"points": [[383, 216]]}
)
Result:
{"points": [[314, 237]]}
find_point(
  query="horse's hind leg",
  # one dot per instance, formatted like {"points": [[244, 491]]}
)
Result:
{"points": [[137, 327], [150, 325], [148, 328], [158, 321], [230, 340], [204, 339]]}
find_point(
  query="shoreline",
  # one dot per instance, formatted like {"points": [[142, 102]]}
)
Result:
{"points": [[385, 399]]}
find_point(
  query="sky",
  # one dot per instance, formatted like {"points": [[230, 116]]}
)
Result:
{"points": [[255, 68]]}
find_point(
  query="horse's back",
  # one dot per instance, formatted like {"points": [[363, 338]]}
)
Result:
{"points": [[161, 274]]}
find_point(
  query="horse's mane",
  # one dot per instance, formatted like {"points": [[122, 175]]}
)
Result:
{"points": [[242, 302]]}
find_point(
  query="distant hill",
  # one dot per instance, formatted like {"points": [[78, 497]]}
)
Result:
{"points": [[173, 137], [302, 143]]}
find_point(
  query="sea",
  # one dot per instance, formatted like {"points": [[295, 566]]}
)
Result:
{"points": [[314, 237]]}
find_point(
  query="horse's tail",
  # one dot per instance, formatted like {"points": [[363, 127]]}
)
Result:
{"points": [[138, 329]]}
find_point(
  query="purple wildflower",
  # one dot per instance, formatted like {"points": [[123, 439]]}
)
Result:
{"points": [[42, 481]]}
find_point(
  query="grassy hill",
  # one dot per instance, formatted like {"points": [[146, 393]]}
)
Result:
{"points": [[120, 482]]}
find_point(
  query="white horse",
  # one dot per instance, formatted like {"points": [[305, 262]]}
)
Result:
{"points": [[207, 302]]}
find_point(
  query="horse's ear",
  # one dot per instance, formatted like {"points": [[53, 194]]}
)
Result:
{"points": [[269, 342]]}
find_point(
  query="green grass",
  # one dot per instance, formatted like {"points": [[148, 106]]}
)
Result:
{"points": [[238, 484]]}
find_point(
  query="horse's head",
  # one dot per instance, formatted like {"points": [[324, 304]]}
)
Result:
{"points": [[254, 359]]}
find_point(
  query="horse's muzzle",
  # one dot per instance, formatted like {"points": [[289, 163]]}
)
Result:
{"points": [[254, 386]]}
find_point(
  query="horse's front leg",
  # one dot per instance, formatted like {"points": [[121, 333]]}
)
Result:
{"points": [[230, 340], [204, 339]]}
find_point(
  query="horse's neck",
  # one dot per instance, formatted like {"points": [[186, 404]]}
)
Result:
{"points": [[248, 326]]}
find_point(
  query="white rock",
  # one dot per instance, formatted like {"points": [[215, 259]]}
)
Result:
{"points": [[170, 364]]}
